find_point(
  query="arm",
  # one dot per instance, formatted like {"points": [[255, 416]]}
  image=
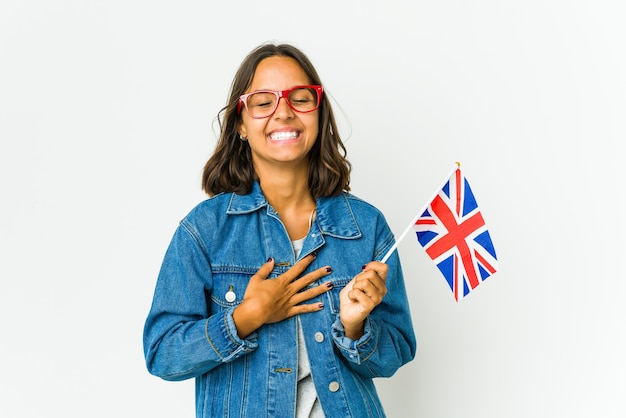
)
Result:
{"points": [[381, 340], [181, 340]]}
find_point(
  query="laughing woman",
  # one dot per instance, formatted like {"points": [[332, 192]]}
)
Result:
{"points": [[271, 294]]}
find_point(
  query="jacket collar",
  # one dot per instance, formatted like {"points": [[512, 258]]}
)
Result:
{"points": [[334, 215]]}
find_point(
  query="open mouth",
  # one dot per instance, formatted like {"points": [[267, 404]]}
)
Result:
{"points": [[284, 135]]}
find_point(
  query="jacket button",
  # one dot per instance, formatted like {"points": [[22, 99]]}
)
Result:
{"points": [[319, 337], [230, 295], [333, 386]]}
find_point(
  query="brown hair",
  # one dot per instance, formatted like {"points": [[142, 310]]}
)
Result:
{"points": [[230, 167]]}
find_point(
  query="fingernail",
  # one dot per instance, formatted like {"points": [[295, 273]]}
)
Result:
{"points": [[363, 267], [321, 306], [269, 259], [329, 269], [314, 254], [330, 285]]}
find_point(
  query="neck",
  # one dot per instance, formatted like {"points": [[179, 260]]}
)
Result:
{"points": [[286, 189], [289, 195]]}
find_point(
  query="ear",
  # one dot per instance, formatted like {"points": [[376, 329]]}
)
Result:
{"points": [[241, 129]]}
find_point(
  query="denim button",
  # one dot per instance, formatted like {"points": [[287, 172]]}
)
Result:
{"points": [[333, 386], [319, 337], [230, 295]]}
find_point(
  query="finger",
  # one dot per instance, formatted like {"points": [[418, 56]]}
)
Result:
{"points": [[366, 304], [312, 293], [311, 277], [305, 308], [372, 285], [264, 271], [370, 282], [297, 269], [369, 291], [379, 268]]}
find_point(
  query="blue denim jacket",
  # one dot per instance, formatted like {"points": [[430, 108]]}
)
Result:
{"points": [[218, 246]]}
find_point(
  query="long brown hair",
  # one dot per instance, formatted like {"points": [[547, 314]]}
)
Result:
{"points": [[230, 167]]}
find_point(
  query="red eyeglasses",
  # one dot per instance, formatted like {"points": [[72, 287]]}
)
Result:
{"points": [[263, 103]]}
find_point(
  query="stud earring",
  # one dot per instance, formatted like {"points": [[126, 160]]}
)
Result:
{"points": [[243, 138]]}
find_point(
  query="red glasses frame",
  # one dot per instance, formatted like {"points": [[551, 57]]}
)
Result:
{"points": [[243, 99]]}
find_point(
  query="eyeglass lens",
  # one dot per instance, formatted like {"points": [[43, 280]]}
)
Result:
{"points": [[263, 104]]}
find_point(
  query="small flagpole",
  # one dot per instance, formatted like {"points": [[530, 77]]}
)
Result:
{"points": [[457, 165]]}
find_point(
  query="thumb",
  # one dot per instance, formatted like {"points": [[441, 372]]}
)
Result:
{"points": [[347, 289]]}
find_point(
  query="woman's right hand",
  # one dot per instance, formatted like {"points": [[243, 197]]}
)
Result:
{"points": [[267, 301]]}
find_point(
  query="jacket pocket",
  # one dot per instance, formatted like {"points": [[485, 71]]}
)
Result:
{"points": [[228, 290], [333, 294]]}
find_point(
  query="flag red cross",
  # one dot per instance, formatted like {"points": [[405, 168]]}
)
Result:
{"points": [[456, 237]]}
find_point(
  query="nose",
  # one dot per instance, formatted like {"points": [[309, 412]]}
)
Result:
{"points": [[283, 110]]}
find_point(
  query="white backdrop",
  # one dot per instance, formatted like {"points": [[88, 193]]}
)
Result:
{"points": [[107, 116]]}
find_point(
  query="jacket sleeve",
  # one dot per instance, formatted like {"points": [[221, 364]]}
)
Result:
{"points": [[181, 339], [389, 340]]}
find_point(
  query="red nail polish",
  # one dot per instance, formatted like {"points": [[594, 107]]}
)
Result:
{"points": [[269, 259], [329, 269]]}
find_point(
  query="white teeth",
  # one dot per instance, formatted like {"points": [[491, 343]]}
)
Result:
{"points": [[281, 136]]}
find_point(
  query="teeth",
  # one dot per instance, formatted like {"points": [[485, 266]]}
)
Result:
{"points": [[280, 136]]}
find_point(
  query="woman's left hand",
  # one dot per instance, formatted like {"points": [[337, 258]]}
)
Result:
{"points": [[360, 296]]}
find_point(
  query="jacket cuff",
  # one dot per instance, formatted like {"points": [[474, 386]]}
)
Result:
{"points": [[355, 351], [221, 334]]}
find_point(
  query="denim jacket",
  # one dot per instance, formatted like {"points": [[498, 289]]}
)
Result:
{"points": [[218, 246]]}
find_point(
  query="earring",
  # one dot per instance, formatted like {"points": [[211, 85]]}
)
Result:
{"points": [[243, 138]]}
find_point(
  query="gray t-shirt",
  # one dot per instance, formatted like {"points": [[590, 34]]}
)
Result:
{"points": [[307, 403]]}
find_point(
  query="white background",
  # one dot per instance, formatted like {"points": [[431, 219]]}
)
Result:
{"points": [[107, 115]]}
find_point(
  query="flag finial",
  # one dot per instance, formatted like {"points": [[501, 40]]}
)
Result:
{"points": [[458, 164]]}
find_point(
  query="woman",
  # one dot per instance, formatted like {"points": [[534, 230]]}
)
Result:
{"points": [[268, 295]]}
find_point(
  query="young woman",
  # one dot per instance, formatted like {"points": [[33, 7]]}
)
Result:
{"points": [[270, 294]]}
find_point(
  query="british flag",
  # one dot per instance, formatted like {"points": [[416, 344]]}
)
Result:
{"points": [[453, 233]]}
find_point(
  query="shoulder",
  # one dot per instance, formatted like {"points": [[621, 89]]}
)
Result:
{"points": [[210, 208], [361, 206], [353, 199], [369, 221], [346, 208]]}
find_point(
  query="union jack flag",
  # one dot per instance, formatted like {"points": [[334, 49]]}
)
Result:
{"points": [[453, 233]]}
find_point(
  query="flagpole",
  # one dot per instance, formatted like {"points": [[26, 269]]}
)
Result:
{"points": [[457, 165]]}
